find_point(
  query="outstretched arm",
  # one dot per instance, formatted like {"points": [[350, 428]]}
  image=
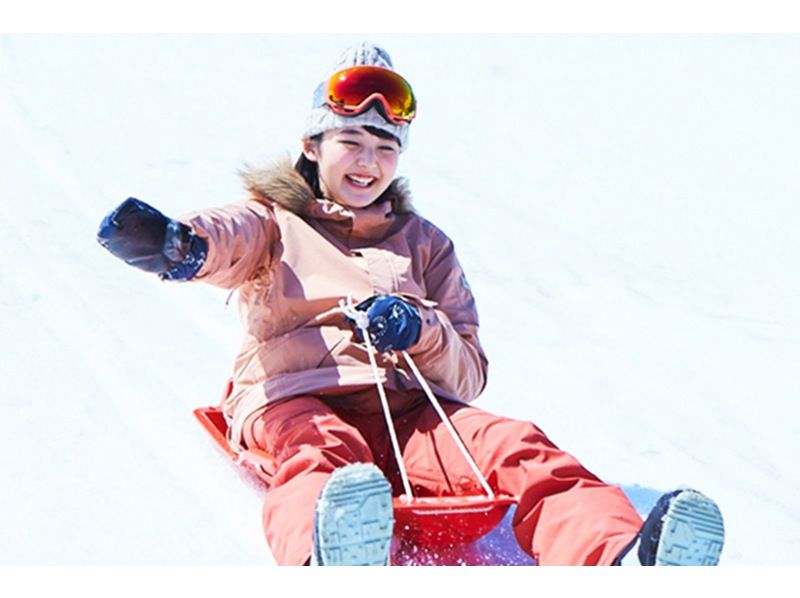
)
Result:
{"points": [[221, 246]]}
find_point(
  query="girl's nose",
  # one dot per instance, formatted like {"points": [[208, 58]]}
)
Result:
{"points": [[367, 157]]}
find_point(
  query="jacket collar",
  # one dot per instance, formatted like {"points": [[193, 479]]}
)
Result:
{"points": [[278, 183]]}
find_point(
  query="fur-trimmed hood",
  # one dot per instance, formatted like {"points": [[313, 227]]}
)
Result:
{"points": [[278, 182]]}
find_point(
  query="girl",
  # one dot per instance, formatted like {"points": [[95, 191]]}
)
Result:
{"points": [[338, 226]]}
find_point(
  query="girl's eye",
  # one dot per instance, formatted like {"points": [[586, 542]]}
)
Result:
{"points": [[349, 142]]}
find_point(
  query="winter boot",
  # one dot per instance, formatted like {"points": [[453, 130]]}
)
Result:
{"points": [[684, 528], [354, 520]]}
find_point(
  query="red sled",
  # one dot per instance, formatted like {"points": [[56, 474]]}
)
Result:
{"points": [[450, 530]]}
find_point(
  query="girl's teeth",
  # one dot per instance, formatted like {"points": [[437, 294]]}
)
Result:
{"points": [[360, 181]]}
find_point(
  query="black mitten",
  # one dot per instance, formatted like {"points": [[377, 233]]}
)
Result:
{"points": [[146, 239]]}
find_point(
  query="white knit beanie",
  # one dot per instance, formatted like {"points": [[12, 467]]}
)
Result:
{"points": [[322, 119]]}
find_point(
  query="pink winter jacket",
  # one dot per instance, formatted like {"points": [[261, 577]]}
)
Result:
{"points": [[293, 257]]}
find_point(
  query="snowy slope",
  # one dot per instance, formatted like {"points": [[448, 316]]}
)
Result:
{"points": [[625, 208]]}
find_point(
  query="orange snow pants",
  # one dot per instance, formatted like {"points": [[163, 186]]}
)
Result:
{"points": [[565, 515]]}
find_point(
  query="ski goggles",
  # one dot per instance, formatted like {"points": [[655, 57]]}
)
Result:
{"points": [[353, 90]]}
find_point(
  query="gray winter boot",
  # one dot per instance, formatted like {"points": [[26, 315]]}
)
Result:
{"points": [[354, 519], [684, 528]]}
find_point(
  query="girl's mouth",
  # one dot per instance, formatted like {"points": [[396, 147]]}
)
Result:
{"points": [[360, 181]]}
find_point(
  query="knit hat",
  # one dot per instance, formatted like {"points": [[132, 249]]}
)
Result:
{"points": [[322, 119]]}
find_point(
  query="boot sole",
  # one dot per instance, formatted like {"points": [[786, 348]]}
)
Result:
{"points": [[692, 533], [354, 518]]}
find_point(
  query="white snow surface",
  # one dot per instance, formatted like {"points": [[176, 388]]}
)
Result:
{"points": [[625, 206]]}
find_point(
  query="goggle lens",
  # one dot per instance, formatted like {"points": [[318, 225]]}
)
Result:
{"points": [[352, 90]]}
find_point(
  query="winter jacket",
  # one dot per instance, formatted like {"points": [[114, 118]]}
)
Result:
{"points": [[293, 257]]}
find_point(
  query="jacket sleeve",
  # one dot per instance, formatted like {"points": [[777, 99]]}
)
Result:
{"points": [[448, 352], [241, 239]]}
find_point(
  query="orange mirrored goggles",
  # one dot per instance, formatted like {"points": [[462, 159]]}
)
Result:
{"points": [[353, 90]]}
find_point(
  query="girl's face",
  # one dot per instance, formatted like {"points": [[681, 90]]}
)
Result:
{"points": [[355, 166]]}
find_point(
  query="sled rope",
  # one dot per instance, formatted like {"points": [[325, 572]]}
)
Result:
{"points": [[362, 321], [449, 425]]}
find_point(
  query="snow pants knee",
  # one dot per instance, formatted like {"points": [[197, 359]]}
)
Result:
{"points": [[565, 515]]}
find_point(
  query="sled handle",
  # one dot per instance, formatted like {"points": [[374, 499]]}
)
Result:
{"points": [[449, 425]]}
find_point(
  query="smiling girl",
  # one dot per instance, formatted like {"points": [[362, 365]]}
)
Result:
{"points": [[340, 226], [359, 163]]}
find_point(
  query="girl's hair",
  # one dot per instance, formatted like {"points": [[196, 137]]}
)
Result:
{"points": [[309, 170]]}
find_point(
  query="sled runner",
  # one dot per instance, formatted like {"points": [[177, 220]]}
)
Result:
{"points": [[445, 530]]}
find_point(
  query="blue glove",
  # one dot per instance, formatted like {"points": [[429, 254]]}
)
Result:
{"points": [[394, 324], [143, 237]]}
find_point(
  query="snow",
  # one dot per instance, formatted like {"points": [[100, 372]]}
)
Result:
{"points": [[625, 208]]}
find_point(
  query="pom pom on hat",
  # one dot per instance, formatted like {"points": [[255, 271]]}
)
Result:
{"points": [[321, 119]]}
